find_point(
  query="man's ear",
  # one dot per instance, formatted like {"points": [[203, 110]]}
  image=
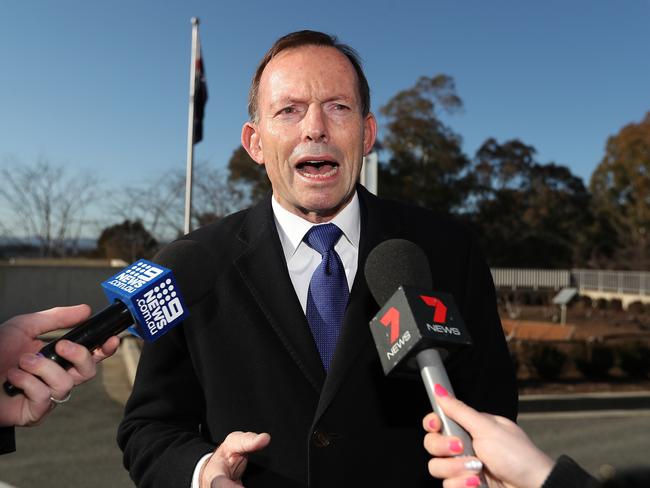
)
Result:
{"points": [[250, 140], [369, 133]]}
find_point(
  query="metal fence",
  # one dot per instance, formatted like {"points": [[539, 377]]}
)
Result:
{"points": [[535, 279], [626, 282]]}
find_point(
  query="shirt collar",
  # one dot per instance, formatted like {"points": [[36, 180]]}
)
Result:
{"points": [[293, 228]]}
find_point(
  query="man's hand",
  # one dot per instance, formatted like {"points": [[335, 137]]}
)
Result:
{"points": [[227, 464], [38, 377]]}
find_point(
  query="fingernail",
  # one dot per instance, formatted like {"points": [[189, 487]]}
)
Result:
{"points": [[433, 425], [440, 390], [31, 358], [473, 465], [455, 446], [472, 481]]}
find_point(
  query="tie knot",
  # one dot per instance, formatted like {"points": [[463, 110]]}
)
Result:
{"points": [[322, 238]]}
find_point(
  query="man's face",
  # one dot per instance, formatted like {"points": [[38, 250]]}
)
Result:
{"points": [[310, 134]]}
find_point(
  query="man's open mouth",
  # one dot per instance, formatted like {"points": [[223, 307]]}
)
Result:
{"points": [[317, 168]]}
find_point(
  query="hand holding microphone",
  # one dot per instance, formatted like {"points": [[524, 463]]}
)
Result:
{"points": [[146, 294], [42, 381], [509, 456], [415, 327]]}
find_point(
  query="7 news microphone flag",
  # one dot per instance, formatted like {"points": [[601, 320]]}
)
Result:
{"points": [[198, 99]]}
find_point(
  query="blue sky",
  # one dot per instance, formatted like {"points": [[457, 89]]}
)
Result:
{"points": [[103, 86]]}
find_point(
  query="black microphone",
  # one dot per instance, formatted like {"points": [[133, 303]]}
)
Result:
{"points": [[145, 294], [415, 327]]}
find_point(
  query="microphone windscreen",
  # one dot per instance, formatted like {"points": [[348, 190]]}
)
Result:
{"points": [[192, 266], [393, 263]]}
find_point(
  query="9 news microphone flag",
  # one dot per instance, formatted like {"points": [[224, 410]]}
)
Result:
{"points": [[198, 99]]}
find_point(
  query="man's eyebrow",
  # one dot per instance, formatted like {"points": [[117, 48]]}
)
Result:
{"points": [[288, 99], [343, 97]]}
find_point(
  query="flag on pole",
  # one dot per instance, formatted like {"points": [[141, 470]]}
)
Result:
{"points": [[200, 95]]}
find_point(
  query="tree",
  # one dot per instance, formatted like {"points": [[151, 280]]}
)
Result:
{"points": [[426, 164], [529, 214], [160, 204], [129, 241], [244, 170], [46, 204], [621, 189]]}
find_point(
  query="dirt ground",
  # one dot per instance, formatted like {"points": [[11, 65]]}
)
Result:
{"points": [[584, 323]]}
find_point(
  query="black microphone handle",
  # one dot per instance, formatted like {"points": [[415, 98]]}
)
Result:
{"points": [[433, 371], [91, 334]]}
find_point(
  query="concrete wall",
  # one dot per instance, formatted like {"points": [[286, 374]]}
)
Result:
{"points": [[625, 298], [28, 288]]}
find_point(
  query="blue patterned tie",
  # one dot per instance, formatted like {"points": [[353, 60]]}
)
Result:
{"points": [[328, 291]]}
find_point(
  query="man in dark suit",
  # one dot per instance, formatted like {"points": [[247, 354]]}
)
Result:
{"points": [[250, 358]]}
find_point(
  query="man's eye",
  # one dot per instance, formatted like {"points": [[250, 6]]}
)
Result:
{"points": [[287, 110], [340, 106]]}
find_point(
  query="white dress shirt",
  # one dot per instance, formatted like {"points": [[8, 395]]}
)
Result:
{"points": [[302, 260]]}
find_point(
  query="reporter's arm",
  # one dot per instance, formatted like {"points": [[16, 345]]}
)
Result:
{"points": [[7, 440], [42, 379], [510, 458]]}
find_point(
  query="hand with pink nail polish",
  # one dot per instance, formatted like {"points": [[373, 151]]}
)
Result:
{"points": [[508, 456]]}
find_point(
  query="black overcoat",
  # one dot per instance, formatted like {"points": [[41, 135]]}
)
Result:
{"points": [[245, 360]]}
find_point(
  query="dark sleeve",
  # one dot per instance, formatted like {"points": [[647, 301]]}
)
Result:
{"points": [[160, 432], [483, 374], [7, 440], [568, 474]]}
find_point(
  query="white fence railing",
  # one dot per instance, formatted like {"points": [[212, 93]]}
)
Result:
{"points": [[626, 282], [531, 278]]}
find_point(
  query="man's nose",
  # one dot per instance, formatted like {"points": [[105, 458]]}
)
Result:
{"points": [[315, 125]]}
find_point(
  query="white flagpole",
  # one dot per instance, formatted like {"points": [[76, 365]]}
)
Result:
{"points": [[190, 130]]}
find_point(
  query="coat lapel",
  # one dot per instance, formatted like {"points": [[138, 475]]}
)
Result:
{"points": [[264, 270]]}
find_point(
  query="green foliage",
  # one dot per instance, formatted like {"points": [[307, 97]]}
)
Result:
{"points": [[426, 164], [243, 169], [594, 360], [621, 189], [129, 241], [528, 214], [547, 361], [634, 359]]}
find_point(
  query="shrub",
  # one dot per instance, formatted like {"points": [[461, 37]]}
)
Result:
{"points": [[636, 308], [615, 304], [601, 304], [594, 360], [634, 359], [547, 361], [582, 302]]}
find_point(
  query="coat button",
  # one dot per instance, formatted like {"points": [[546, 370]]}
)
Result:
{"points": [[321, 439]]}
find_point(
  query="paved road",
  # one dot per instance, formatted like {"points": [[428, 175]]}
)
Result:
{"points": [[597, 440], [76, 447]]}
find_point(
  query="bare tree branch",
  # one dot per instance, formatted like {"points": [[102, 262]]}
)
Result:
{"points": [[46, 204]]}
